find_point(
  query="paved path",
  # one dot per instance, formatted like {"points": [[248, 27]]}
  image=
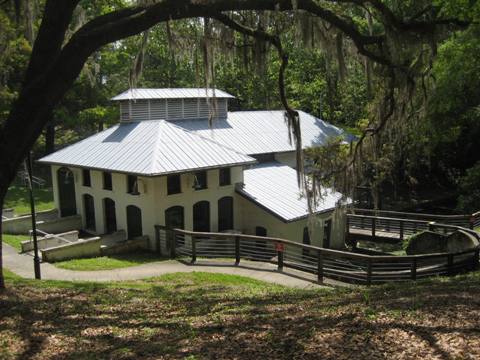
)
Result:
{"points": [[22, 264]]}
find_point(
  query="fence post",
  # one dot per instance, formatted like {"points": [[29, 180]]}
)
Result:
{"points": [[450, 264], [237, 250], [280, 256], [194, 249], [401, 230], [319, 266], [413, 269], [369, 272], [374, 225]]}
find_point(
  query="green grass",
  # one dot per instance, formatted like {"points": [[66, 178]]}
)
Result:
{"points": [[15, 240], [109, 262], [18, 198], [204, 315]]}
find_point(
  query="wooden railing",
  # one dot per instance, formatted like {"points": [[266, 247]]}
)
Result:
{"points": [[341, 265], [470, 221]]}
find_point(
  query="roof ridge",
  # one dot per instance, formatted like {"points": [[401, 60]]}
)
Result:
{"points": [[206, 138]]}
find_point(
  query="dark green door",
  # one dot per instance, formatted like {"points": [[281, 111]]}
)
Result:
{"points": [[134, 222], [66, 192]]}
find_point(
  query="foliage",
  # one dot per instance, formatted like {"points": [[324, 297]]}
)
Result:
{"points": [[469, 188], [109, 262], [224, 316]]}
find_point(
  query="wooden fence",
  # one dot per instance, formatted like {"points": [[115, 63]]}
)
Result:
{"points": [[335, 264]]}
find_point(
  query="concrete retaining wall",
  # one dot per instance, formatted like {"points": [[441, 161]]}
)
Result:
{"points": [[23, 224], [51, 241], [124, 247], [79, 249], [8, 213], [116, 237]]}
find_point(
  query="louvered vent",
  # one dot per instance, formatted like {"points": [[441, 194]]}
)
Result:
{"points": [[124, 111], [174, 109], [139, 110], [203, 109], [158, 110], [190, 108]]}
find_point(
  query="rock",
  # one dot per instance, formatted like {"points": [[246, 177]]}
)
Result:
{"points": [[461, 241], [426, 242]]}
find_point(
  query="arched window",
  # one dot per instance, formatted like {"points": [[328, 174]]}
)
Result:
{"points": [[174, 219], [201, 216], [225, 213], [109, 215], [306, 241], [66, 192], [89, 212], [134, 222]]}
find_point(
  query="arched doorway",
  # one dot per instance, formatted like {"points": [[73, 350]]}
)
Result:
{"points": [[201, 216], [110, 215], [89, 212], [174, 219], [66, 192], [225, 213], [134, 222]]}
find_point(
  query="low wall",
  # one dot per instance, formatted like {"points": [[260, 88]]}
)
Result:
{"points": [[23, 224], [140, 243], [51, 241], [79, 249], [8, 213], [116, 237]]}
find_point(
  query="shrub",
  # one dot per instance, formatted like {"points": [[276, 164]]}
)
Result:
{"points": [[469, 189]]}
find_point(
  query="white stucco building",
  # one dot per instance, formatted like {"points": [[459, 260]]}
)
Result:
{"points": [[166, 164]]}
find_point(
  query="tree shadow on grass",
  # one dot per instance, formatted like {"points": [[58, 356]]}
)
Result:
{"points": [[183, 319]]}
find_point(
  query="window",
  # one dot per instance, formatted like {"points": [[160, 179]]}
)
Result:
{"points": [[86, 177], [225, 213], [306, 241], [132, 185], [224, 177], [200, 180], [327, 229], [201, 216], [107, 181], [174, 185]]}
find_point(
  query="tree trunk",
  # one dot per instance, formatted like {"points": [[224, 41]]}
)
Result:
{"points": [[50, 138]]}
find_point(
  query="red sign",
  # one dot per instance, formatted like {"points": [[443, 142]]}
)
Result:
{"points": [[279, 247]]}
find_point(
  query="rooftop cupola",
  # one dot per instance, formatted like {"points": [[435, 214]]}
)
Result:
{"points": [[172, 104]]}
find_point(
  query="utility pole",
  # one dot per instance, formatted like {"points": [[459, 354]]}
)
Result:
{"points": [[36, 258]]}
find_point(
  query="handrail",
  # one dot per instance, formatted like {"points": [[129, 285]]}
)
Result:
{"points": [[342, 265], [50, 235]]}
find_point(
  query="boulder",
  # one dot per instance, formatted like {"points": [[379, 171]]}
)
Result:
{"points": [[426, 242], [429, 242], [461, 241]]}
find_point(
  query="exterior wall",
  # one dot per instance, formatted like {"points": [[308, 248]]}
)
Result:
{"points": [[189, 197], [287, 158], [254, 216], [172, 109], [153, 199]]}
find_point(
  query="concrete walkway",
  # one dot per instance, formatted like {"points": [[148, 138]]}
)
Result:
{"points": [[22, 264]]}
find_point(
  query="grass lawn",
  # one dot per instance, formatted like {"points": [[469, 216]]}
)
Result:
{"points": [[109, 262], [18, 199], [215, 316], [15, 240]]}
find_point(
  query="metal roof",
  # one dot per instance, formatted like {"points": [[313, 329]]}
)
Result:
{"points": [[273, 186], [259, 132], [147, 148], [171, 93]]}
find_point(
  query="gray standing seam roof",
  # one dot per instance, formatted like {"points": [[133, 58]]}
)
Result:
{"points": [[172, 93], [147, 148], [274, 187], [260, 132]]}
